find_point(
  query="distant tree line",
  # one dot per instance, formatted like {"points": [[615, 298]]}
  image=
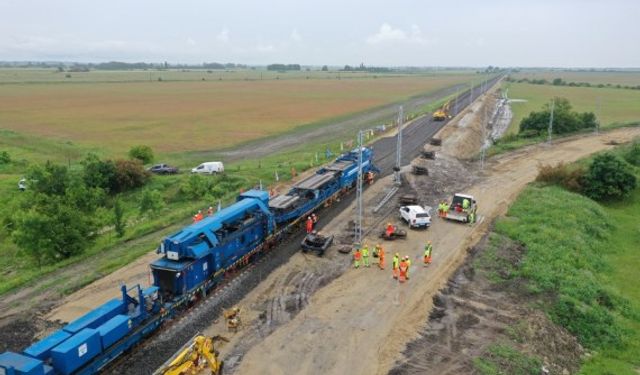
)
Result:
{"points": [[561, 82], [283, 67], [363, 68]]}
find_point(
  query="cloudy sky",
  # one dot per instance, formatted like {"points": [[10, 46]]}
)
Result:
{"points": [[567, 33]]}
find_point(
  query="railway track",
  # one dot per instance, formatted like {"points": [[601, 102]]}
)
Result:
{"points": [[153, 352]]}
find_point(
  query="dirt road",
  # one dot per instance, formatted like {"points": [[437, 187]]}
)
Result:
{"points": [[361, 321]]}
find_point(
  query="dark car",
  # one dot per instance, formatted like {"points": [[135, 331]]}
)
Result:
{"points": [[163, 169]]}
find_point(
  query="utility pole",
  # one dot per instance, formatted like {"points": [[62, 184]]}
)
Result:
{"points": [[553, 103], [357, 236], [598, 114], [399, 148], [484, 137], [455, 103]]}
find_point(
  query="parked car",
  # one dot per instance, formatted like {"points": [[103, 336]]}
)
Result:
{"points": [[416, 216], [163, 169], [209, 167]]}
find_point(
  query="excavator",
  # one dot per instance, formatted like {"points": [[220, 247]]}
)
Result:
{"points": [[194, 357], [442, 113]]}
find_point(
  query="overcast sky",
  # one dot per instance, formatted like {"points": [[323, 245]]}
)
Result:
{"points": [[567, 33]]}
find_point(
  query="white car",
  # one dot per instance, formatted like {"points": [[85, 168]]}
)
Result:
{"points": [[416, 216], [209, 167]]}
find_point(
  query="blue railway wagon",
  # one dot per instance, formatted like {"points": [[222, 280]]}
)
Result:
{"points": [[42, 349], [96, 317], [17, 364], [114, 329], [76, 351]]}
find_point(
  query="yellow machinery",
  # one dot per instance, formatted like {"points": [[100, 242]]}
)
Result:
{"points": [[232, 316], [197, 355], [442, 113]]}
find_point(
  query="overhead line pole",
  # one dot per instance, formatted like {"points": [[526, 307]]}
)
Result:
{"points": [[553, 102], [357, 237], [399, 147]]}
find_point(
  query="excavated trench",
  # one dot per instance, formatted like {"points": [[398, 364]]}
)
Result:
{"points": [[295, 293]]}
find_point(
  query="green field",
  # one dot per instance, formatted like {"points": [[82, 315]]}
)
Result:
{"points": [[611, 106], [623, 78]]}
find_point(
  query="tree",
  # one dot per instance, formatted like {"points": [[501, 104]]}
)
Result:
{"points": [[558, 82], [99, 173], [608, 177], [50, 179], [142, 153], [564, 119], [52, 227], [118, 218], [130, 174], [325, 68], [632, 156], [151, 201]]}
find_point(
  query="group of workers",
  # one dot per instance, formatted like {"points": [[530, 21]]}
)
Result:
{"points": [[311, 223], [400, 266], [362, 255], [199, 215]]}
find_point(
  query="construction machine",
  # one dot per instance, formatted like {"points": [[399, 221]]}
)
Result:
{"points": [[442, 113], [232, 316], [195, 356]]}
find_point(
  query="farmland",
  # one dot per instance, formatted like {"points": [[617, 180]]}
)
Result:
{"points": [[611, 106], [623, 78], [196, 115]]}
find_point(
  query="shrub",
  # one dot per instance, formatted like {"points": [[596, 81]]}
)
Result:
{"points": [[632, 155], [561, 175], [99, 173], [608, 177], [151, 201], [5, 158], [130, 174], [142, 153], [564, 119]]}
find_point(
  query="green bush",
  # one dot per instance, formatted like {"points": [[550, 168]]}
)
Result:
{"points": [[5, 158], [99, 173], [608, 177], [151, 201], [632, 155], [142, 153], [564, 119]]}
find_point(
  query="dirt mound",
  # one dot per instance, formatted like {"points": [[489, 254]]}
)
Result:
{"points": [[471, 314]]}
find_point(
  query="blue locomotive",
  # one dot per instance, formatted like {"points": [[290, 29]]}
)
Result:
{"points": [[194, 260]]}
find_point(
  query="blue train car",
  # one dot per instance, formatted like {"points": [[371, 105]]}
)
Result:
{"points": [[198, 251]]}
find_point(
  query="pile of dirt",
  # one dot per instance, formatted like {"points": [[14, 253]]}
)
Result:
{"points": [[18, 333], [474, 312]]}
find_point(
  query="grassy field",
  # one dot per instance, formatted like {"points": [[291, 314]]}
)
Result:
{"points": [[581, 269], [611, 106], [623, 78], [181, 116]]}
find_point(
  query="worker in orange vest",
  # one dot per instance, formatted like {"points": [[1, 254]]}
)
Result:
{"points": [[403, 267], [408, 262], [314, 218], [395, 264], [199, 215], [356, 258], [309, 225], [390, 229], [195, 218], [380, 252]]}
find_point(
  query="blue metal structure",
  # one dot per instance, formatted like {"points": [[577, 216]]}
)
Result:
{"points": [[194, 260]]}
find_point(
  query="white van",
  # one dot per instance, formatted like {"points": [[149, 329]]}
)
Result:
{"points": [[416, 216], [210, 167]]}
